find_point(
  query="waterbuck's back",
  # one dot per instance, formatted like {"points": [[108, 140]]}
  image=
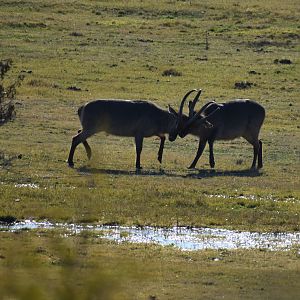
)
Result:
{"points": [[122, 117], [237, 118]]}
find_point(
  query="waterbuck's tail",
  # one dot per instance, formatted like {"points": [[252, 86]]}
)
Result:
{"points": [[80, 111]]}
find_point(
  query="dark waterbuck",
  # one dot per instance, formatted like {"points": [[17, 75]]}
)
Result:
{"points": [[138, 119], [222, 121]]}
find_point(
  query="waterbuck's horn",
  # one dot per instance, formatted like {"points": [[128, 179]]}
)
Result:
{"points": [[204, 107], [192, 104], [195, 117], [183, 100]]}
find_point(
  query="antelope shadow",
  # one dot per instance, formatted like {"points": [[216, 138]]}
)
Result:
{"points": [[213, 173], [140, 172], [197, 173]]}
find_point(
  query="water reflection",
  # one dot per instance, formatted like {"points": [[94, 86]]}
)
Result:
{"points": [[184, 238]]}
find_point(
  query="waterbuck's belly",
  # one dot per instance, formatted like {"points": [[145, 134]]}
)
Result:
{"points": [[119, 132], [129, 130], [228, 136], [231, 132]]}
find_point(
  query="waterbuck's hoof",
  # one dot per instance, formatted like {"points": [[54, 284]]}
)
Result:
{"points": [[138, 170], [191, 167], [71, 164], [159, 159]]}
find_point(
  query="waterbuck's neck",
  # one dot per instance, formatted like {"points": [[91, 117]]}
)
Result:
{"points": [[169, 122]]}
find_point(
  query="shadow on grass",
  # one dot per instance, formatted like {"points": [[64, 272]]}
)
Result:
{"points": [[213, 173], [196, 173], [90, 171]]}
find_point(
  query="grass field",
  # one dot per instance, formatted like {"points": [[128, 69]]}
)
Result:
{"points": [[75, 51]]}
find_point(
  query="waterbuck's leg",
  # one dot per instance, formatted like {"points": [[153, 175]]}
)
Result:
{"points": [[138, 147], [260, 161], [161, 148], [211, 154], [87, 148], [256, 145], [77, 139], [255, 153], [201, 147]]}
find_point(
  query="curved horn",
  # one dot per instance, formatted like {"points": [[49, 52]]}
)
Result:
{"points": [[193, 103], [204, 107], [183, 100], [194, 118]]}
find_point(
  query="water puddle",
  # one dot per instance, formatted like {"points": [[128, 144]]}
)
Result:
{"points": [[184, 238], [289, 199], [27, 185]]}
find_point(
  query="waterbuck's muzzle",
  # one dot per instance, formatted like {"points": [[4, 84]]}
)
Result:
{"points": [[172, 137], [182, 134]]}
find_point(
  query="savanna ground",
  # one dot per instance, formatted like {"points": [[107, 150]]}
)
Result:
{"points": [[75, 51]]}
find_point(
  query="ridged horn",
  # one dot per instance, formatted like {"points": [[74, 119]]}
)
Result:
{"points": [[183, 100], [195, 117], [192, 104]]}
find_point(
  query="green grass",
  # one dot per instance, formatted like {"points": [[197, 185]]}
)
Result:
{"points": [[121, 49]]}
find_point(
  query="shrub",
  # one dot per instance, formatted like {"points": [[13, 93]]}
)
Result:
{"points": [[243, 85], [171, 72], [8, 94]]}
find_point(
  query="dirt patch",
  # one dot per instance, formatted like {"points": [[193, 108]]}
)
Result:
{"points": [[242, 85], [74, 88], [171, 72], [76, 34], [284, 61]]}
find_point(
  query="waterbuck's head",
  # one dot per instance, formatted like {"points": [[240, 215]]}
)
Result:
{"points": [[184, 123], [181, 118]]}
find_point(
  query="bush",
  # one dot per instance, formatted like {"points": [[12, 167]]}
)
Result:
{"points": [[171, 72], [7, 95]]}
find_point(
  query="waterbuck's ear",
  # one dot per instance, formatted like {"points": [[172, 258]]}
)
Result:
{"points": [[172, 111]]}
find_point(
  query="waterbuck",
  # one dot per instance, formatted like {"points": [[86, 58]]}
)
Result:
{"points": [[138, 119], [223, 121]]}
